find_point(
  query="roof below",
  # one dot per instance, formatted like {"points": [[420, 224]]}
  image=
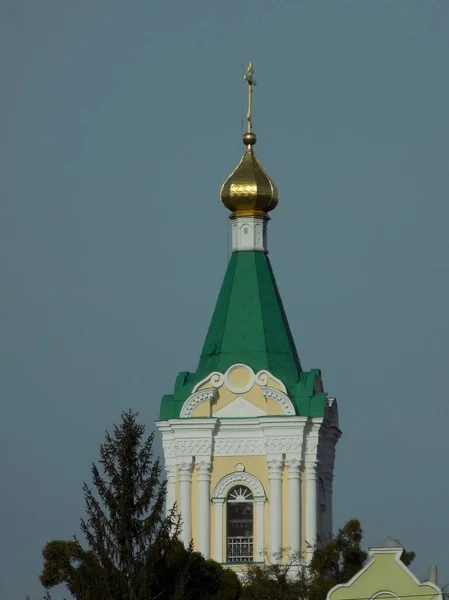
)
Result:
{"points": [[249, 326]]}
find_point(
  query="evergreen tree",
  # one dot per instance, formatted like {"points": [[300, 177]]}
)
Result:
{"points": [[337, 561], [133, 551]]}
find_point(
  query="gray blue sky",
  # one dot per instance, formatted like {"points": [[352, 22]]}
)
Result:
{"points": [[119, 121]]}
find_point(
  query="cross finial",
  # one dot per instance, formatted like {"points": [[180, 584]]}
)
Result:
{"points": [[249, 78]]}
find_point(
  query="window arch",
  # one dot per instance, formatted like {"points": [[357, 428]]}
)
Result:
{"points": [[239, 525]]}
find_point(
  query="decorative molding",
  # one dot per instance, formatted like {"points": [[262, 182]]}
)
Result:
{"points": [[274, 469], [257, 446], [312, 445], [311, 469], [280, 398], [169, 449], [203, 470], [217, 379], [170, 472], [262, 380], [260, 499], [185, 471], [239, 447], [293, 468], [193, 400], [238, 477], [274, 445], [190, 447]]}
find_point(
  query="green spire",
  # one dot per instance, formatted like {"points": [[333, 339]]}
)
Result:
{"points": [[249, 323], [249, 326]]}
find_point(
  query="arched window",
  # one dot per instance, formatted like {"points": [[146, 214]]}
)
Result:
{"points": [[240, 525]]}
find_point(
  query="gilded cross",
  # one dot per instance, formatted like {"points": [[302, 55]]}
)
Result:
{"points": [[249, 78]]}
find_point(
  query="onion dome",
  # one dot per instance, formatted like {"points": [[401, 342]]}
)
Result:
{"points": [[249, 191]]}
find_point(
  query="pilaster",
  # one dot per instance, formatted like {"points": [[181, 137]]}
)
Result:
{"points": [[185, 495], [259, 550], [294, 505], [203, 470], [311, 474], [218, 522], [275, 507]]}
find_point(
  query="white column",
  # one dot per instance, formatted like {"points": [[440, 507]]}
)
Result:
{"points": [[259, 554], [275, 508], [218, 518], [294, 506], [170, 471], [311, 508], [185, 495], [203, 478]]}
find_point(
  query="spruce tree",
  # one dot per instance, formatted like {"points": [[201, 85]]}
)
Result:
{"points": [[129, 538], [133, 551]]}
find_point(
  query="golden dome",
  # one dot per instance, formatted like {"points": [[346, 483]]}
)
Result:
{"points": [[249, 191]]}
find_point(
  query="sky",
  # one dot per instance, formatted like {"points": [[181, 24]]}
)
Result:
{"points": [[120, 121]]}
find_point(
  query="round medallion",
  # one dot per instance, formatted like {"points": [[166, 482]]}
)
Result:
{"points": [[239, 378]]}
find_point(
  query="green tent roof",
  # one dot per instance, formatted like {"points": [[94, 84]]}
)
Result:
{"points": [[249, 326], [249, 323]]}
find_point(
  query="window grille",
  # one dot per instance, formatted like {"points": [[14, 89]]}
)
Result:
{"points": [[240, 508]]}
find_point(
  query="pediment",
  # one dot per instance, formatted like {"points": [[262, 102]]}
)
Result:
{"points": [[239, 407]]}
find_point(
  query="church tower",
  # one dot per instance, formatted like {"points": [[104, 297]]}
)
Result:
{"points": [[249, 438]]}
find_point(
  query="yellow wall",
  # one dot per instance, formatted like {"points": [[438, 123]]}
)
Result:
{"points": [[238, 378], [256, 466], [224, 465]]}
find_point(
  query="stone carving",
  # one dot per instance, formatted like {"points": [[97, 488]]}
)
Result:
{"points": [[312, 446], [280, 398], [170, 472], [283, 444], [311, 469], [257, 446], [262, 379], [170, 448], [185, 471], [239, 447], [294, 468], [274, 469], [193, 447], [217, 379], [203, 470], [239, 477], [192, 402]]}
